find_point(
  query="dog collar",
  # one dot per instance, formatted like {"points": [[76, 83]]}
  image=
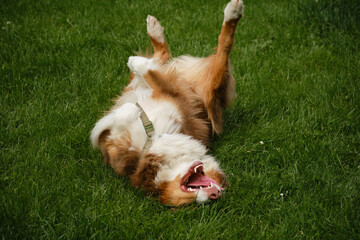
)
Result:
{"points": [[149, 129]]}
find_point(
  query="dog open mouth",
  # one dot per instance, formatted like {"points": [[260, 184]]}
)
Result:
{"points": [[195, 180]]}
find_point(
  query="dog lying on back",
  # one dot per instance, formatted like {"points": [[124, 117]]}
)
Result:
{"points": [[159, 128]]}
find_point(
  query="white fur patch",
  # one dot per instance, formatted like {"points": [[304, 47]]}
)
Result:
{"points": [[202, 196], [233, 10], [155, 30]]}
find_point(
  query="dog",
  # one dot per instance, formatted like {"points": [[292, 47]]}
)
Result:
{"points": [[158, 130]]}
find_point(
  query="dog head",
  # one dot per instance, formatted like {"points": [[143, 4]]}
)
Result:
{"points": [[196, 182], [181, 171]]}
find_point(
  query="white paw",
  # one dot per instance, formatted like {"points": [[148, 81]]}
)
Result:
{"points": [[140, 65], [233, 10], [122, 118], [155, 30], [126, 114]]}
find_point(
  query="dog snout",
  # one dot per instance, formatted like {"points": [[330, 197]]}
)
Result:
{"points": [[215, 195], [213, 192]]}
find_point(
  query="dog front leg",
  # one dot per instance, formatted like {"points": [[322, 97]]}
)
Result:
{"points": [[156, 35]]}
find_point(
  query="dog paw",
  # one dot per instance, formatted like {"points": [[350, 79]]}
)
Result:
{"points": [[139, 65], [154, 29], [233, 10], [128, 112], [123, 117]]}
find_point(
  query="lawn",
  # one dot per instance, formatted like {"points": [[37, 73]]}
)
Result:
{"points": [[291, 140]]}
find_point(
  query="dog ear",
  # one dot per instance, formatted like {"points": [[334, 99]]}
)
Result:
{"points": [[147, 169], [117, 154]]}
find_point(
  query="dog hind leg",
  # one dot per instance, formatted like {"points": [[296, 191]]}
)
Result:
{"points": [[219, 81]]}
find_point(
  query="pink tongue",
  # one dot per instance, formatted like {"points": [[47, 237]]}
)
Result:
{"points": [[199, 180]]}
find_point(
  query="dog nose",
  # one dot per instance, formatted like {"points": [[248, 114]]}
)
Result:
{"points": [[213, 193]]}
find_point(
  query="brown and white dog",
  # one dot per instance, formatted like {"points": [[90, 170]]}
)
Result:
{"points": [[184, 99]]}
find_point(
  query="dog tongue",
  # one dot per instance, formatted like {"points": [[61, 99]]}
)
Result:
{"points": [[199, 180]]}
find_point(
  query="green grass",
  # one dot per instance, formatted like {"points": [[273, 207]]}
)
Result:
{"points": [[297, 66]]}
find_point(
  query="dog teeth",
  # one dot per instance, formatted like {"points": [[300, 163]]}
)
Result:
{"points": [[195, 169]]}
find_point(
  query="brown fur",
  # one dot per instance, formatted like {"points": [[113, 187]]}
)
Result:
{"points": [[172, 194], [126, 162], [117, 153], [161, 50], [217, 82], [146, 172]]}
